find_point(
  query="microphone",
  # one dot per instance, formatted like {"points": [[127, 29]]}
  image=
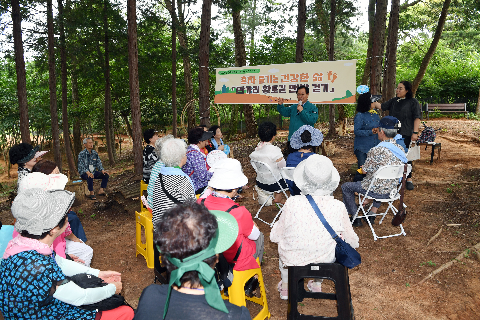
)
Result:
{"points": [[300, 104]]}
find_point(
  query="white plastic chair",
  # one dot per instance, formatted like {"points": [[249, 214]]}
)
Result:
{"points": [[385, 172], [264, 168], [287, 173]]}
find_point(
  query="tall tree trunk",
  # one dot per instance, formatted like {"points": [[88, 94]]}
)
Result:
{"points": [[390, 65], [324, 24], [174, 69], [433, 47], [20, 70], [108, 96], [187, 66], [371, 32], [124, 116], [63, 61], [477, 111], [302, 20], [52, 83], [240, 61], [134, 86], [252, 31], [331, 57], [378, 47], [203, 78], [77, 138]]}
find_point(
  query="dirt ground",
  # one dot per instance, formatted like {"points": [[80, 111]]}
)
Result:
{"points": [[386, 285]]}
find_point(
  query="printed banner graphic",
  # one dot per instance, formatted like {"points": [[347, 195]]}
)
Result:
{"points": [[328, 82]]}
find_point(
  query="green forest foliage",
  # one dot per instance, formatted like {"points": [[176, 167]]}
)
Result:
{"points": [[452, 75]]}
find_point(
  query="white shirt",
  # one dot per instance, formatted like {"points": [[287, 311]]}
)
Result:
{"points": [[268, 153], [302, 239]]}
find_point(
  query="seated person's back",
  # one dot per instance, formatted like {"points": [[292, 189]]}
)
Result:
{"points": [[227, 178], [271, 155], [305, 141], [187, 228]]}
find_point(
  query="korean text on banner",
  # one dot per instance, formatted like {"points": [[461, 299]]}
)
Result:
{"points": [[328, 82]]}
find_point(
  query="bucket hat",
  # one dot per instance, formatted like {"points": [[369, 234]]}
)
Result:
{"points": [[227, 175], [317, 175], [39, 180], [37, 211], [296, 138]]}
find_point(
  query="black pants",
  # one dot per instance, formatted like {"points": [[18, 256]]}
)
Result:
{"points": [[407, 140]]}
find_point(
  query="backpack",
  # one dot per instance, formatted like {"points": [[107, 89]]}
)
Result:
{"points": [[85, 281], [428, 135]]}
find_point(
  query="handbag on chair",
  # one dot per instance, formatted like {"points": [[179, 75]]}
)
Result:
{"points": [[413, 151], [402, 212], [344, 253]]}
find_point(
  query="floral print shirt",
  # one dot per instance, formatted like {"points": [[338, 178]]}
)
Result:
{"points": [[378, 157]]}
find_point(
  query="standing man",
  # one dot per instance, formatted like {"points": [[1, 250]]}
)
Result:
{"points": [[301, 114], [149, 156], [90, 167]]}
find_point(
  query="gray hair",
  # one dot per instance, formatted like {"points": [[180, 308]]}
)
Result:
{"points": [[389, 133], [172, 152], [158, 143], [86, 140]]}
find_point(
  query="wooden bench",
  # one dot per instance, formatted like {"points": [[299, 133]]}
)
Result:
{"points": [[445, 107]]}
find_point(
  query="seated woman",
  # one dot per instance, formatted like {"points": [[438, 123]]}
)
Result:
{"points": [[293, 232], [226, 180], [150, 157], [306, 141], [25, 155], [196, 167], [190, 238], [216, 143], [66, 243], [50, 167], [156, 168], [29, 262], [171, 185], [271, 155], [365, 127]]}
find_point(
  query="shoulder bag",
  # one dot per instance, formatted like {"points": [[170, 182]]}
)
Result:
{"points": [[344, 253]]}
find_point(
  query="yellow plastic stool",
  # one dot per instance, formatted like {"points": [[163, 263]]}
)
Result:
{"points": [[143, 187], [144, 219], [236, 292]]}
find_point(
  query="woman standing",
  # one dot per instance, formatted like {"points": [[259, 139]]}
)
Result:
{"points": [[365, 127], [406, 109]]}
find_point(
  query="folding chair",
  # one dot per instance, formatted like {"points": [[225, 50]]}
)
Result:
{"points": [[262, 167], [287, 174], [385, 172]]}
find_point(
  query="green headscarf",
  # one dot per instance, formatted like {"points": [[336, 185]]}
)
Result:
{"points": [[225, 236]]}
